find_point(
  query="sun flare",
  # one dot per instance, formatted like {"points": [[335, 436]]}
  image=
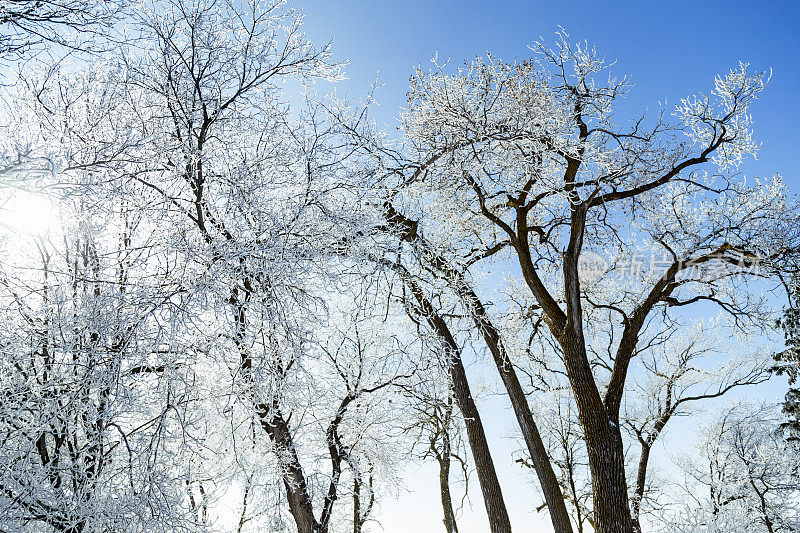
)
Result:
{"points": [[28, 213]]}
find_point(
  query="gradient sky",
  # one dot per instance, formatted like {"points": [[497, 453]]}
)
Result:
{"points": [[669, 50]]}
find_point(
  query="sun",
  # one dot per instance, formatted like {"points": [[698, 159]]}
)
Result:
{"points": [[28, 213]]}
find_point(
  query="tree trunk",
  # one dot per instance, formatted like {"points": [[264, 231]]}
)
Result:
{"points": [[357, 521], [604, 445], [609, 487], [487, 476], [444, 484], [601, 430], [294, 481], [641, 480], [530, 432]]}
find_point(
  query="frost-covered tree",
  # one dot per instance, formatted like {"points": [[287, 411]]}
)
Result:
{"points": [[247, 178], [92, 393], [787, 361], [680, 372], [75, 24], [743, 477], [191, 126], [258, 294], [529, 161], [91, 407]]}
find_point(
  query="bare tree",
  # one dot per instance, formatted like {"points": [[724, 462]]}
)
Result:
{"points": [[249, 181], [742, 478], [75, 24], [677, 381], [436, 433], [292, 270], [418, 303], [79, 431], [525, 159]]}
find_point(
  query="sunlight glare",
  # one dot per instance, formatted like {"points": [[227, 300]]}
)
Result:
{"points": [[28, 213]]}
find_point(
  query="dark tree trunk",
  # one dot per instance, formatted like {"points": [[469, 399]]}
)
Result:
{"points": [[357, 520], [479, 446], [600, 426], [641, 480], [444, 487], [601, 429], [530, 432], [294, 481], [487, 476], [609, 486]]}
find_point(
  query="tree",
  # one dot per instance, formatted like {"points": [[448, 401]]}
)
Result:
{"points": [[257, 285], [27, 24], [210, 150], [677, 380], [91, 384], [788, 360], [526, 159], [86, 384], [438, 432], [248, 181], [743, 478], [445, 343]]}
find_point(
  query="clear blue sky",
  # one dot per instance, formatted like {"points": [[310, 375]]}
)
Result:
{"points": [[670, 49]]}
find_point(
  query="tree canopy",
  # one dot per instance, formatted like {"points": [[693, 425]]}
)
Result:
{"points": [[246, 306]]}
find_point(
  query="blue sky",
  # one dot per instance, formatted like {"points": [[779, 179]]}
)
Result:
{"points": [[669, 49]]}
